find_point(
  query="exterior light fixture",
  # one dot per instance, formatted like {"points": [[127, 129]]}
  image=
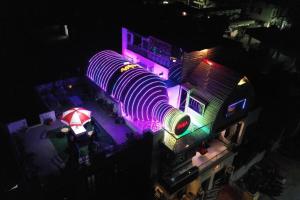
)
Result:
{"points": [[207, 62], [184, 13], [243, 81]]}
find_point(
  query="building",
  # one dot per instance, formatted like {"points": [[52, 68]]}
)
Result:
{"points": [[207, 92], [165, 117], [268, 14]]}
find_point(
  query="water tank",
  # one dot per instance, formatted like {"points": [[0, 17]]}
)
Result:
{"points": [[143, 95]]}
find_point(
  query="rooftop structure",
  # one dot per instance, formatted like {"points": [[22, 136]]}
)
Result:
{"points": [[178, 107]]}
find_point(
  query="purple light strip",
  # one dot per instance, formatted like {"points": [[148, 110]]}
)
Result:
{"points": [[155, 110], [132, 93], [115, 66], [102, 59], [127, 81], [157, 83], [148, 106], [110, 66], [98, 70], [141, 90], [145, 100], [162, 111], [148, 117], [133, 88], [244, 104], [92, 66], [123, 78], [149, 96]]}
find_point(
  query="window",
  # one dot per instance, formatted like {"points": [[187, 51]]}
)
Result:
{"points": [[274, 13], [183, 96], [236, 107], [129, 38], [196, 105], [137, 40], [144, 43]]}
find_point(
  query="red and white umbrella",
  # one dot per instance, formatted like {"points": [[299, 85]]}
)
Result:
{"points": [[76, 117]]}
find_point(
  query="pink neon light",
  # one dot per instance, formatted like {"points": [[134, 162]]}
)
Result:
{"points": [[147, 97], [154, 110], [107, 75], [141, 90], [135, 88], [151, 102], [119, 91], [120, 81]]}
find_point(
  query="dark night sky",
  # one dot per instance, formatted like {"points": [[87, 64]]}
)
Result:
{"points": [[28, 59]]}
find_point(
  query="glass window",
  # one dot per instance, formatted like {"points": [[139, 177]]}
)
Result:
{"points": [[145, 44], [137, 40], [183, 96], [129, 38], [196, 105]]}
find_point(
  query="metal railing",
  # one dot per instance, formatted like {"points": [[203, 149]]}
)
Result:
{"points": [[158, 58], [210, 161]]}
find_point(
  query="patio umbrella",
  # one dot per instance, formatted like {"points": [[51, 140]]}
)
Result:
{"points": [[76, 117]]}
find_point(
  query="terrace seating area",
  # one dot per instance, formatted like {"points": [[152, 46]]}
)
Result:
{"points": [[46, 149], [64, 93]]}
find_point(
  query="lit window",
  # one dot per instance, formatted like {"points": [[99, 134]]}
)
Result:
{"points": [[196, 105]]}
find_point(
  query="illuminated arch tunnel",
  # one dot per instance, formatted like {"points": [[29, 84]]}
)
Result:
{"points": [[143, 94]]}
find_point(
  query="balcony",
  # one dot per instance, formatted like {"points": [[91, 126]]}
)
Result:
{"points": [[160, 59]]}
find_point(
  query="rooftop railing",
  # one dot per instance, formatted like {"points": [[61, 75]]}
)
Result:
{"points": [[158, 58]]}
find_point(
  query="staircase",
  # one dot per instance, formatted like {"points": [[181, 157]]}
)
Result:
{"points": [[212, 194]]}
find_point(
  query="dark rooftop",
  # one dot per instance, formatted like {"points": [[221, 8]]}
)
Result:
{"points": [[168, 24]]}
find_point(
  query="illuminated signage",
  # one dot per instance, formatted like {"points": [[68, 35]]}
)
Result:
{"points": [[127, 67], [182, 125]]}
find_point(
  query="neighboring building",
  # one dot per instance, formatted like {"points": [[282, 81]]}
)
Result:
{"points": [[197, 3], [268, 14]]}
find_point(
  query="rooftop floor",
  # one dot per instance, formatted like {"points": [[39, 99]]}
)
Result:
{"points": [[215, 151], [40, 154], [116, 131]]}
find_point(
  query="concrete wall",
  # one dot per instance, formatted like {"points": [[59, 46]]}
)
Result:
{"points": [[244, 169]]}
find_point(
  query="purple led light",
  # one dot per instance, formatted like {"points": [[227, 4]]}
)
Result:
{"points": [[153, 100], [139, 93], [143, 95], [121, 81], [132, 90], [127, 81], [152, 96], [154, 110]]}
